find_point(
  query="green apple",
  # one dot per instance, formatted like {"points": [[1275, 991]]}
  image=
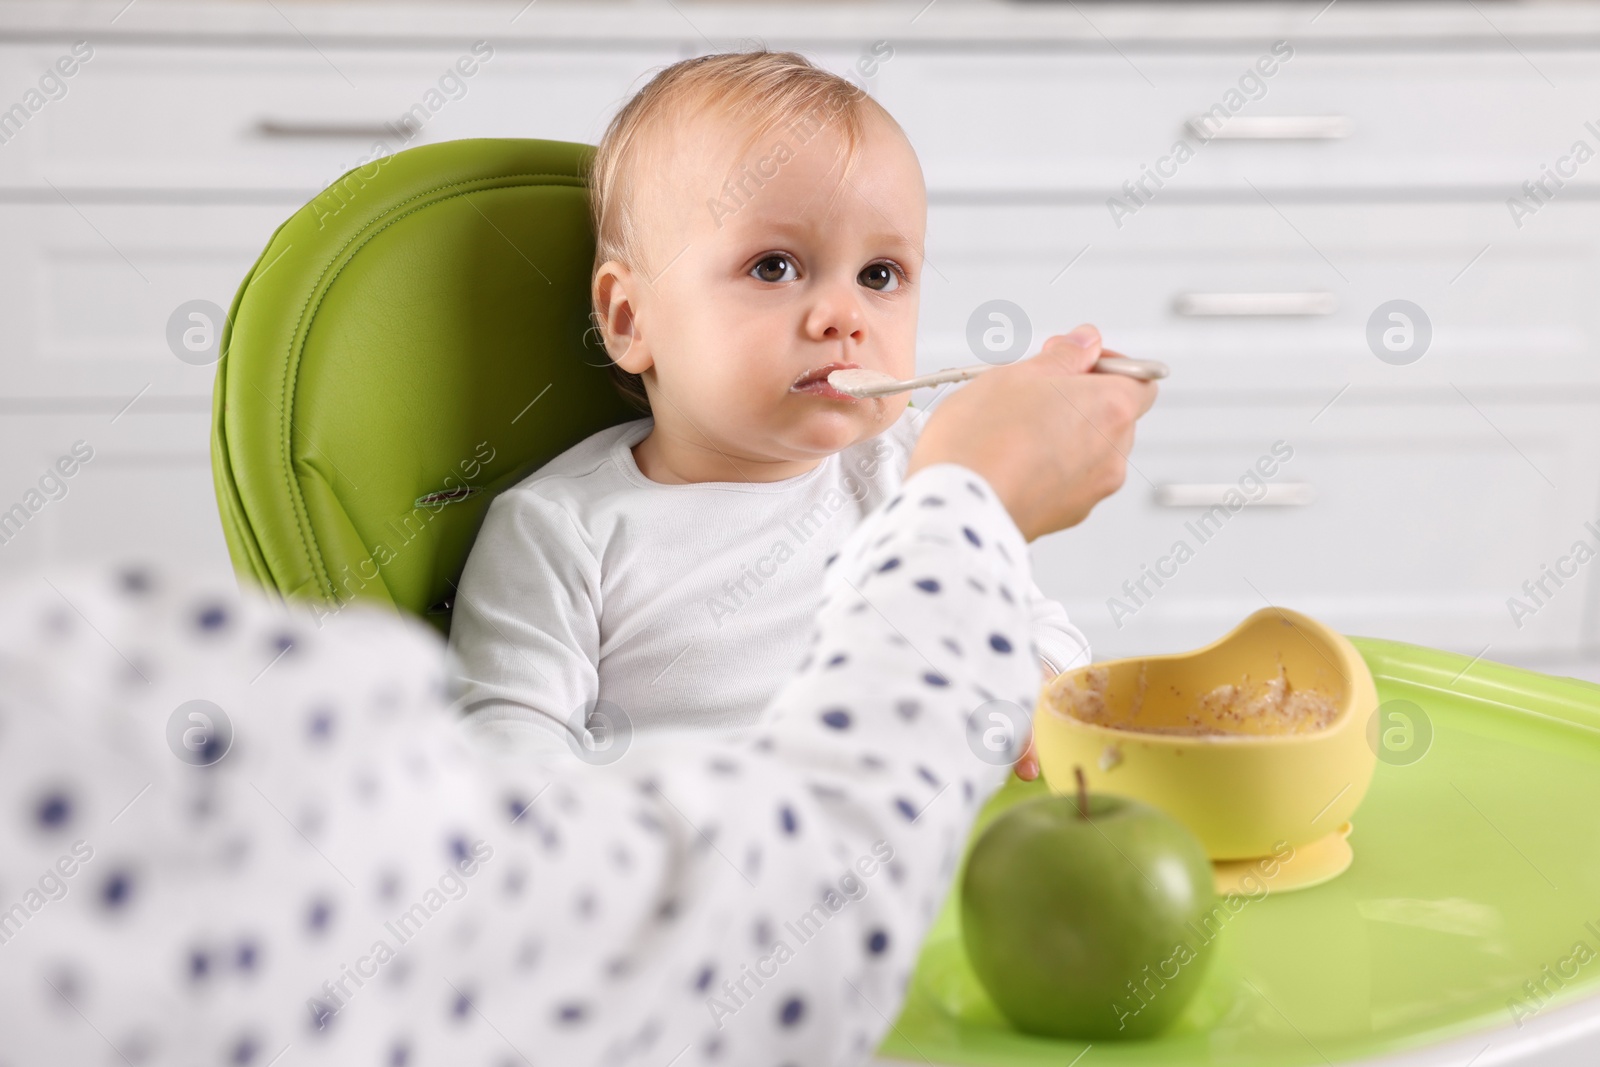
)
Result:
{"points": [[1081, 916]]}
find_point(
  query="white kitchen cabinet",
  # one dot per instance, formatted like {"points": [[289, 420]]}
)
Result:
{"points": [[144, 495], [1415, 522], [1506, 309], [1012, 119], [241, 116], [1382, 153], [86, 292]]}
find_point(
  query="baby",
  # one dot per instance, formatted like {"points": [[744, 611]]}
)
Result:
{"points": [[759, 223]]}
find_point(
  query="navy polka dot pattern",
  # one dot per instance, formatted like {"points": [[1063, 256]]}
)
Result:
{"points": [[54, 811], [356, 881]]}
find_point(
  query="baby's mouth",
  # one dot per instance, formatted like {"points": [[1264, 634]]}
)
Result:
{"points": [[815, 382]]}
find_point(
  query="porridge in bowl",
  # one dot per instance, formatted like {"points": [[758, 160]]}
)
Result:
{"points": [[1270, 707]]}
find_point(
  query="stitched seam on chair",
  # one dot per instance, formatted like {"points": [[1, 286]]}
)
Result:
{"points": [[292, 371], [231, 502], [303, 330]]}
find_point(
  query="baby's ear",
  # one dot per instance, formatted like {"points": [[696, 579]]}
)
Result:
{"points": [[615, 285]]}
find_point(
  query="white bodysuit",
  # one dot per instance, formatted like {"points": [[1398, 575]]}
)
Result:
{"points": [[594, 595]]}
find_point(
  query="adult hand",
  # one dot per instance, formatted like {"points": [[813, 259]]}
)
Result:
{"points": [[1050, 439]]}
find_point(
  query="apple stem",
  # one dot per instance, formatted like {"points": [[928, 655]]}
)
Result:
{"points": [[1083, 793]]}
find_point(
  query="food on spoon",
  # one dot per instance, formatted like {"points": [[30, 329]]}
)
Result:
{"points": [[859, 378]]}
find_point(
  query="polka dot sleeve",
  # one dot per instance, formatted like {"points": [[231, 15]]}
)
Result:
{"points": [[233, 832]]}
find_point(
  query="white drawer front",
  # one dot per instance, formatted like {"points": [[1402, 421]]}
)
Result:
{"points": [[144, 492], [1239, 297], [1411, 522], [255, 117], [1075, 120], [86, 294]]}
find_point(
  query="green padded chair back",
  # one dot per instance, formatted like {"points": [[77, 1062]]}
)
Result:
{"points": [[412, 342]]}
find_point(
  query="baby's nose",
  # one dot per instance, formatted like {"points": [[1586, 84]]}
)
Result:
{"points": [[837, 316]]}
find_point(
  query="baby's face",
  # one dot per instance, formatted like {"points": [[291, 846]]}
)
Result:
{"points": [[760, 287]]}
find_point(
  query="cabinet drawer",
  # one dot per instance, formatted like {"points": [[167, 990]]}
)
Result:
{"points": [[290, 117], [145, 491], [1410, 522], [1239, 298], [86, 294], [1071, 120]]}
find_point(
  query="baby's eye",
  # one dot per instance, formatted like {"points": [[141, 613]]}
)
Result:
{"points": [[880, 277], [774, 269]]}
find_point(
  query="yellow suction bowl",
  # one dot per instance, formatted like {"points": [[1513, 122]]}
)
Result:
{"points": [[1252, 797]]}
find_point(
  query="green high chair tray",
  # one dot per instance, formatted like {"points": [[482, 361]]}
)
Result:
{"points": [[1477, 870]]}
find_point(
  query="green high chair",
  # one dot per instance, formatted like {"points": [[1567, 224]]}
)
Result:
{"points": [[411, 342], [415, 340]]}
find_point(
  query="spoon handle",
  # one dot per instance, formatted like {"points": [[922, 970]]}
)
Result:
{"points": [[1145, 370], [938, 377]]}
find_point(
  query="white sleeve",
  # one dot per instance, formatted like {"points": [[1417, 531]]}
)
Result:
{"points": [[1058, 641], [350, 879], [525, 629]]}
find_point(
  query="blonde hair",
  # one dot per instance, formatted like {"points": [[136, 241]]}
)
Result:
{"points": [[760, 90]]}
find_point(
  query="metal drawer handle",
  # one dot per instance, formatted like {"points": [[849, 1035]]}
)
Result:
{"points": [[300, 131], [1211, 127], [1253, 304], [1205, 495]]}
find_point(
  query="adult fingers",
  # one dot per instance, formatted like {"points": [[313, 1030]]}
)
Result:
{"points": [[1070, 353]]}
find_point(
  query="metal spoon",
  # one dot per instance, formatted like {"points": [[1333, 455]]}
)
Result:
{"points": [[865, 384]]}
